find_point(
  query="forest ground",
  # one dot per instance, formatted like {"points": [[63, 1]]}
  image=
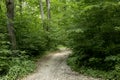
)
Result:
{"points": [[54, 67]]}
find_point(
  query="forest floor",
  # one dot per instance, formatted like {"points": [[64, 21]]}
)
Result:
{"points": [[54, 67]]}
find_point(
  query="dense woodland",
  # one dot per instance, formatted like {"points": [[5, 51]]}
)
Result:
{"points": [[90, 28]]}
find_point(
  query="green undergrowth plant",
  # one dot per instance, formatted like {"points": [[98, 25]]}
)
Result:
{"points": [[17, 66], [102, 75], [95, 40]]}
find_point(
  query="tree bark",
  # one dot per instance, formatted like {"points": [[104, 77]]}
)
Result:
{"points": [[42, 13], [48, 13], [48, 9], [10, 24]]}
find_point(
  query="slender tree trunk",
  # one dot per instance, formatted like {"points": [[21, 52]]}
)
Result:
{"points": [[42, 13], [48, 14], [48, 9], [10, 24]]}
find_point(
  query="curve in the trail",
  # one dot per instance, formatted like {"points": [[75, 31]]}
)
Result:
{"points": [[53, 67]]}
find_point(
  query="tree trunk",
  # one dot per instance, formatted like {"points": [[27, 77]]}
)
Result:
{"points": [[10, 24], [42, 13], [48, 9], [48, 13]]}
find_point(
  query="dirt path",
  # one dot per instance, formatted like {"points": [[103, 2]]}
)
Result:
{"points": [[53, 67]]}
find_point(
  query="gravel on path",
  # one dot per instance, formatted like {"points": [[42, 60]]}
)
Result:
{"points": [[54, 67]]}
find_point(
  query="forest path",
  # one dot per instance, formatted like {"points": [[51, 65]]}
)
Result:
{"points": [[54, 67]]}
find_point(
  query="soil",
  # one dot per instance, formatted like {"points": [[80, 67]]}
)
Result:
{"points": [[54, 67]]}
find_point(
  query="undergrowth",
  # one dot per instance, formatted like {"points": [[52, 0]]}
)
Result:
{"points": [[18, 67], [103, 75]]}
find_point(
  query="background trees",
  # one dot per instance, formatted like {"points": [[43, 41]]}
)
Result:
{"points": [[89, 27], [29, 34]]}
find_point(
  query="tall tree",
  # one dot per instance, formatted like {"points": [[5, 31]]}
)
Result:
{"points": [[48, 9], [10, 24], [42, 12], [48, 13]]}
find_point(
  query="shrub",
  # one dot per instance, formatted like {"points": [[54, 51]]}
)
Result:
{"points": [[96, 39]]}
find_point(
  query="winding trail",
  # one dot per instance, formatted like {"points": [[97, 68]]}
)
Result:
{"points": [[54, 67]]}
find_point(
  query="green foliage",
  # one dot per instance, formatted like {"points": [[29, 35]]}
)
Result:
{"points": [[12, 63], [33, 38], [95, 40], [4, 45], [18, 67], [91, 28]]}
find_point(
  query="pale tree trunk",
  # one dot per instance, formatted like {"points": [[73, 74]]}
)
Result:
{"points": [[42, 13], [48, 9], [48, 13], [48, 23], [10, 24]]}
